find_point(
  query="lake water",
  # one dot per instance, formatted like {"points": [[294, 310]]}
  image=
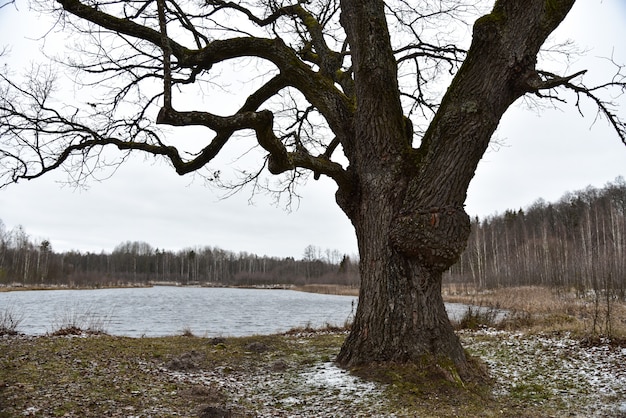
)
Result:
{"points": [[165, 310]]}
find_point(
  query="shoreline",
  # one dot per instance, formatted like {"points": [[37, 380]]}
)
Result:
{"points": [[328, 289]]}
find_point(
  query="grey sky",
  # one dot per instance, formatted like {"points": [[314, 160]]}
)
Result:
{"points": [[542, 154]]}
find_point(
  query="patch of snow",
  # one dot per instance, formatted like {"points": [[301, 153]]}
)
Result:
{"points": [[30, 411], [329, 375]]}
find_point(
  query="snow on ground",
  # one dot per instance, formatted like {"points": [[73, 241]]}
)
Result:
{"points": [[556, 371], [586, 380], [305, 393]]}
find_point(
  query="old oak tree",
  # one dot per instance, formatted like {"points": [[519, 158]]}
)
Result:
{"points": [[340, 88]]}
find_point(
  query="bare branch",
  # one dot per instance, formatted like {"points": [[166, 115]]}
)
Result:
{"points": [[607, 109], [117, 25], [280, 160], [6, 3], [167, 51], [551, 81]]}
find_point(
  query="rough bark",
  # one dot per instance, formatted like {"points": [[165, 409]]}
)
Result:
{"points": [[408, 211]]}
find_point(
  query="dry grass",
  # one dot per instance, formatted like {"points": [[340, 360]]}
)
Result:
{"points": [[328, 289], [540, 309], [531, 308], [526, 298]]}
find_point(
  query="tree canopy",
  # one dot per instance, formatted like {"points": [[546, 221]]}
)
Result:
{"points": [[146, 68]]}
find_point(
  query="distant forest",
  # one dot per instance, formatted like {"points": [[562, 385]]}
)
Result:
{"points": [[577, 243], [30, 263]]}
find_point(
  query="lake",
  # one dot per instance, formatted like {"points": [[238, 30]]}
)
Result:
{"points": [[169, 310]]}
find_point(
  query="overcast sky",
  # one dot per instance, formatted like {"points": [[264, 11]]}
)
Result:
{"points": [[541, 154]]}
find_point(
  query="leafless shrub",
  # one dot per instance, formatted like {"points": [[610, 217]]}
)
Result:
{"points": [[10, 320], [76, 321], [187, 332], [476, 317]]}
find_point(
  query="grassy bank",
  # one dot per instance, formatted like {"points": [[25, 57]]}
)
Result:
{"points": [[534, 375]]}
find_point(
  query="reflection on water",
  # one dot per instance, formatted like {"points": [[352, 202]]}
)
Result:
{"points": [[164, 310]]}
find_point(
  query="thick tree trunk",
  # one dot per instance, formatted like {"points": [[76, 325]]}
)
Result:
{"points": [[401, 316], [407, 204]]}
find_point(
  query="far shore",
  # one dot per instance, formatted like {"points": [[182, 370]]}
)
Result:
{"points": [[329, 289]]}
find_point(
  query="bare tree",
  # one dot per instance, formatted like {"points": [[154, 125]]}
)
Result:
{"points": [[357, 77]]}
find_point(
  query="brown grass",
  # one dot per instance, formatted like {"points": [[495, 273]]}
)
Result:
{"points": [[328, 289], [543, 309]]}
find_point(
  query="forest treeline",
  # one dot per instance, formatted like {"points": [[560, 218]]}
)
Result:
{"points": [[27, 262], [577, 243]]}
